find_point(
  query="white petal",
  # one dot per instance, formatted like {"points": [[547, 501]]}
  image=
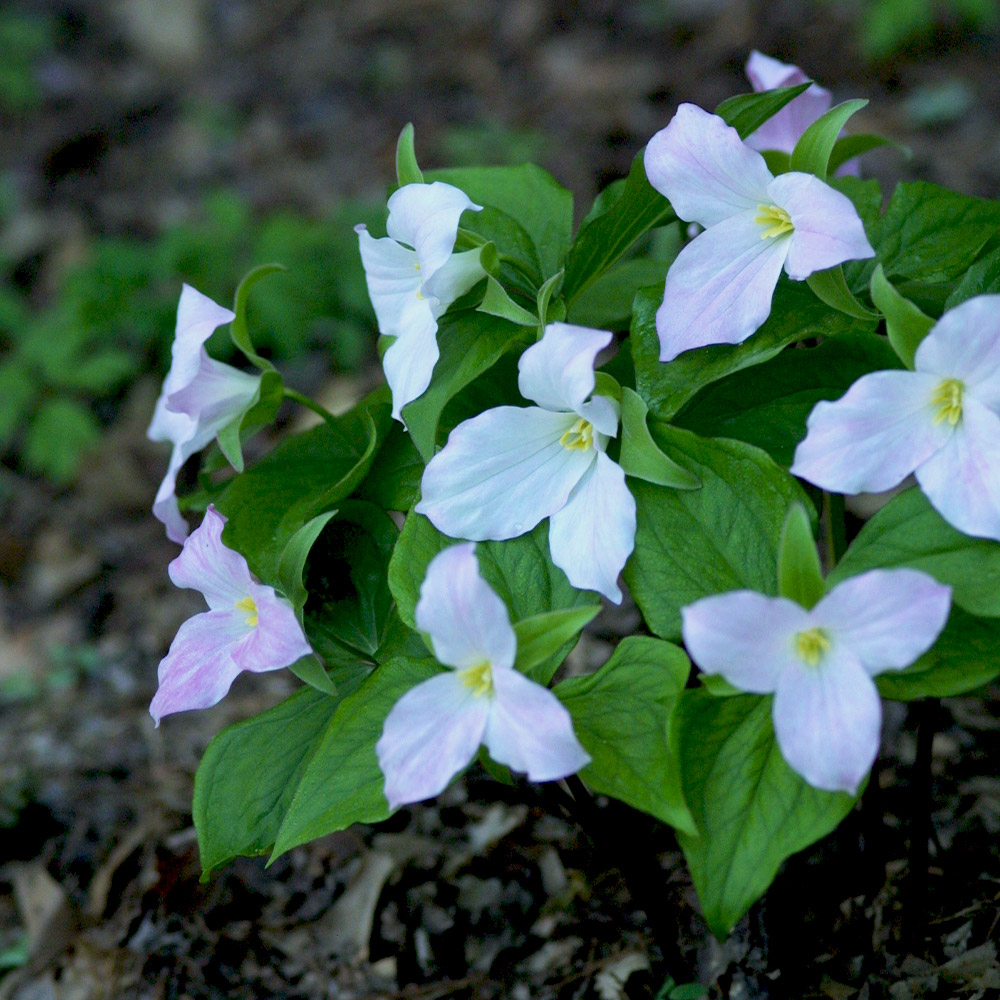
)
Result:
{"points": [[165, 508], [886, 617], [557, 373], [467, 622], [501, 473], [744, 636], [409, 362], [700, 164], [278, 640], [594, 534], [394, 280], [432, 732], [719, 289], [828, 229], [425, 216], [874, 436], [453, 279], [603, 413], [216, 394], [962, 479], [827, 721], [783, 130], [530, 730]]}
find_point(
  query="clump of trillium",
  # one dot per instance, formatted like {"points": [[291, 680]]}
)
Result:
{"points": [[940, 422], [435, 729], [200, 397], [507, 469], [247, 627], [413, 276], [819, 663], [719, 289]]}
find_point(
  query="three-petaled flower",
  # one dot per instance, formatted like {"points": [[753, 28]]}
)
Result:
{"points": [[413, 276], [435, 729], [941, 422], [504, 471], [719, 289], [819, 663], [247, 627]]}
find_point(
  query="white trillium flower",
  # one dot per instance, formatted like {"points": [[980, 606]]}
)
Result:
{"points": [[435, 729], [413, 276], [940, 421], [719, 289], [819, 663], [509, 468]]}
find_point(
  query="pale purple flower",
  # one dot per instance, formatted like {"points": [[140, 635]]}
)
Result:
{"points": [[435, 729], [247, 627], [940, 422], [509, 468], [718, 290], [413, 276], [200, 397], [819, 663]]}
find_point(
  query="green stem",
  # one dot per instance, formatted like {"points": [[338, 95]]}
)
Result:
{"points": [[297, 397], [834, 530]]}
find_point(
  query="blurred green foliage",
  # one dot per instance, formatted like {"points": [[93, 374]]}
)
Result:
{"points": [[23, 38]]}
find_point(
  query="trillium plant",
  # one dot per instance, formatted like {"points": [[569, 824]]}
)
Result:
{"points": [[671, 405]]}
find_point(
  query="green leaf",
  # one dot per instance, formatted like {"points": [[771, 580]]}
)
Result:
{"points": [[850, 146], [393, 482], [830, 287], [310, 671], [800, 577], [905, 323], [293, 557], [541, 637], [747, 112], [238, 331], [262, 411], [407, 171], [751, 809], [496, 302], [814, 147], [621, 715], [641, 457], [694, 543], [983, 278], [606, 304], [544, 297], [60, 434], [17, 390]]}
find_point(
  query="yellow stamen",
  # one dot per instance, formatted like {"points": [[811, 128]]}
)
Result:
{"points": [[948, 399], [420, 295], [579, 436], [246, 604], [812, 645], [479, 678], [776, 221]]}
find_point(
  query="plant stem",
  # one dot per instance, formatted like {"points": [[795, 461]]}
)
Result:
{"points": [[309, 404], [834, 530]]}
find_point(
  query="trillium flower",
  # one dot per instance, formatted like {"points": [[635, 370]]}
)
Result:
{"points": [[435, 729], [819, 663], [413, 276], [504, 471], [718, 290], [247, 627], [940, 421], [200, 397]]}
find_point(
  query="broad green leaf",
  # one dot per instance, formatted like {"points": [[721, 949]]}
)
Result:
{"points": [[983, 278], [621, 715], [800, 577], [814, 147], [541, 637], [496, 302], [310, 671], [905, 323], [747, 112], [407, 170], [607, 303], [238, 330], [262, 411], [641, 457], [293, 557], [393, 482], [543, 300], [830, 287], [850, 146], [751, 809]]}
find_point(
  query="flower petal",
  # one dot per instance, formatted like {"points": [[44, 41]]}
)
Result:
{"points": [[828, 229], [278, 640], [467, 622], [530, 730], [557, 373], [453, 279], [744, 636], [827, 721], [501, 473], [594, 534], [719, 289], [165, 507], [782, 131], [874, 436], [215, 396], [409, 362], [885, 617], [430, 734], [394, 280], [700, 164]]}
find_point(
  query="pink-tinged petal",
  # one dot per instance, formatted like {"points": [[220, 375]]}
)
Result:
{"points": [[501, 473], [700, 164], [530, 730], [278, 640], [216, 394], [874, 436], [467, 622], [557, 373], [165, 507], [199, 669], [962, 479], [885, 617], [207, 565], [828, 229], [425, 216], [782, 131], [767, 73], [594, 534], [744, 636], [719, 289], [827, 721], [453, 279], [409, 362], [432, 732], [394, 280]]}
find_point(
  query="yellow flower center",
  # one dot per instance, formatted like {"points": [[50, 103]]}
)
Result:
{"points": [[246, 604], [479, 678], [776, 221], [812, 645], [579, 436], [948, 399]]}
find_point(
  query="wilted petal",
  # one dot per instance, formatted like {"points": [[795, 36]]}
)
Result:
{"points": [[207, 565], [593, 535], [557, 373], [530, 730], [874, 436], [278, 640], [782, 131], [432, 732], [409, 362], [453, 279], [394, 278], [467, 622], [701, 165], [719, 289]]}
